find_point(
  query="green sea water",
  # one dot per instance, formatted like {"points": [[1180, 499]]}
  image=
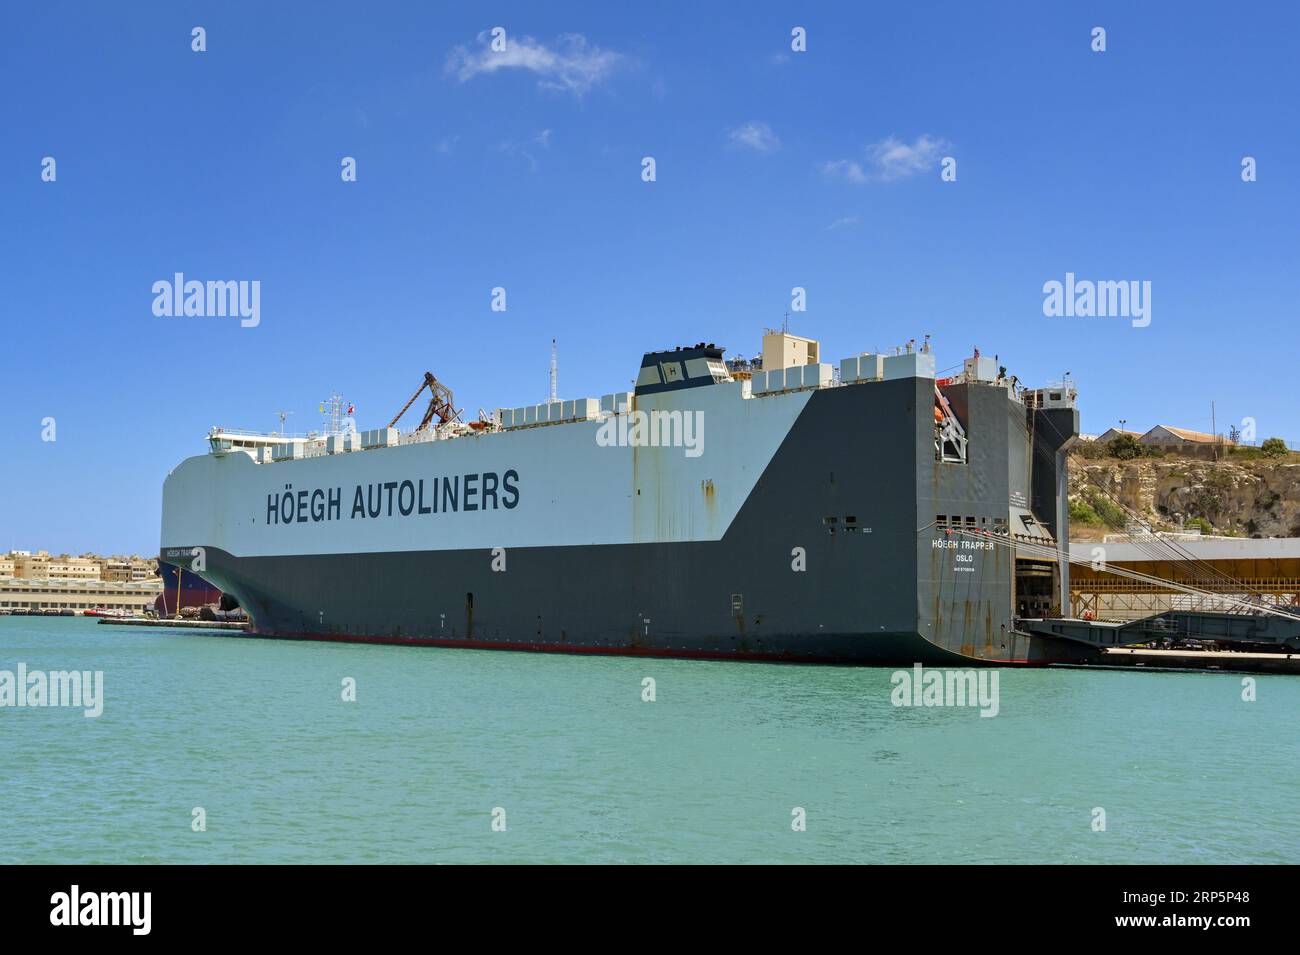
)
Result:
{"points": [[256, 733]]}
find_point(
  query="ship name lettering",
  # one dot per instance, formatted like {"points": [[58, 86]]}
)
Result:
{"points": [[448, 494]]}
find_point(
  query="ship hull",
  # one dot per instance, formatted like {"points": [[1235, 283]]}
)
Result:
{"points": [[389, 598], [890, 650], [805, 532], [182, 588]]}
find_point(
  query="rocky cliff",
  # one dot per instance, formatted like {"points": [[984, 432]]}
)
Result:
{"points": [[1255, 498]]}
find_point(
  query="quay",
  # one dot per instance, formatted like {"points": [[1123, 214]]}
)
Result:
{"points": [[176, 624], [1225, 660]]}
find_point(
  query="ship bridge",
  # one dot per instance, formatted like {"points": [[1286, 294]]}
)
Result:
{"points": [[221, 440], [681, 368]]}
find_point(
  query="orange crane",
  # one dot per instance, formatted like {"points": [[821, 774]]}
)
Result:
{"points": [[440, 403]]}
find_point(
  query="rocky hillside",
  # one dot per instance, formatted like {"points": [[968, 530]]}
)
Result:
{"points": [[1251, 498]]}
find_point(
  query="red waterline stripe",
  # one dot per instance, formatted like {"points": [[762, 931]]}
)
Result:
{"points": [[629, 651]]}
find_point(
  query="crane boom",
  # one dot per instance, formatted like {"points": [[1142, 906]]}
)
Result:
{"points": [[440, 403]]}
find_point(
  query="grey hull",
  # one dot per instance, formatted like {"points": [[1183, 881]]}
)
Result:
{"points": [[787, 580]]}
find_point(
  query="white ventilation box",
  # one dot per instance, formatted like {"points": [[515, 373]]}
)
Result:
{"points": [[289, 451], [794, 378], [379, 438], [866, 367], [915, 365], [617, 403], [765, 382], [980, 369], [813, 376]]}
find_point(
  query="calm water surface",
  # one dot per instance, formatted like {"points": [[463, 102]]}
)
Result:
{"points": [[256, 733]]}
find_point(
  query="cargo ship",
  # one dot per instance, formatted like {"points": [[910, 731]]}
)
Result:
{"points": [[182, 589], [788, 509]]}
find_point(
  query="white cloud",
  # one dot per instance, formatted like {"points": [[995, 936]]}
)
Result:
{"points": [[524, 148], [889, 160], [447, 144], [755, 135], [843, 223], [895, 159], [571, 64], [845, 169]]}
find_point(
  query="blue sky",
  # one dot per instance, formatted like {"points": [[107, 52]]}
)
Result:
{"points": [[775, 169]]}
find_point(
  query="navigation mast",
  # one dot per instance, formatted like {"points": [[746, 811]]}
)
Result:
{"points": [[554, 371]]}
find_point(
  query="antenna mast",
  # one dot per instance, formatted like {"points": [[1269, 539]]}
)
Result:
{"points": [[283, 415], [554, 370], [332, 409]]}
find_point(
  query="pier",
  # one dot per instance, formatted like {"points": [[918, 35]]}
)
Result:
{"points": [[173, 624], [1183, 661]]}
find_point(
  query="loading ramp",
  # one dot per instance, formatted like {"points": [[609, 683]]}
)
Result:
{"points": [[1280, 633]]}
